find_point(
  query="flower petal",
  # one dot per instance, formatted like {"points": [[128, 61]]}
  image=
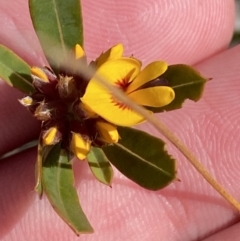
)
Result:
{"points": [[104, 105], [115, 52], [107, 131], [79, 52], [114, 72], [154, 96], [39, 73], [101, 101], [79, 146], [150, 72]]}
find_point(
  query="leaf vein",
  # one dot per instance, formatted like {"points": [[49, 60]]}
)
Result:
{"points": [[59, 28], [144, 160], [189, 83], [14, 73]]}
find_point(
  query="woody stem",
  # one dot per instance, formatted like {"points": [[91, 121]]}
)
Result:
{"points": [[174, 140], [195, 162], [88, 73]]}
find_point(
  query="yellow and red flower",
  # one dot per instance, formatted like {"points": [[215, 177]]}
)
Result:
{"points": [[82, 117], [126, 74]]}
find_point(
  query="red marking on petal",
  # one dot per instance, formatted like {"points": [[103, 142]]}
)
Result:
{"points": [[123, 84], [121, 105]]}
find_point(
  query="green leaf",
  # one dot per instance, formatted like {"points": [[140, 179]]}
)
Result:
{"points": [[43, 151], [57, 181], [100, 166], [187, 84], [142, 158], [15, 71], [58, 25], [38, 170]]}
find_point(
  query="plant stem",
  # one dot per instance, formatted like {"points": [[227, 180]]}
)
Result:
{"points": [[162, 128], [89, 71], [195, 162]]}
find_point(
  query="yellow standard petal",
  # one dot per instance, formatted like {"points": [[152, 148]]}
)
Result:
{"points": [[154, 96], [115, 113], [79, 146], [115, 52], [39, 73], [79, 52], [116, 72], [49, 136], [119, 73], [150, 72], [107, 131]]}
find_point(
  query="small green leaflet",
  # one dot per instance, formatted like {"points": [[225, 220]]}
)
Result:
{"points": [[58, 25], [142, 158], [186, 82], [15, 71], [100, 166], [57, 181]]}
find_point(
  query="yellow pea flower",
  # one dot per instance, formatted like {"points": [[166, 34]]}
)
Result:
{"points": [[126, 74], [94, 118]]}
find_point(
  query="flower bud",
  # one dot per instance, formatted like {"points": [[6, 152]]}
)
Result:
{"points": [[44, 81], [79, 52], [108, 132], [39, 73], [26, 101], [80, 146], [50, 75], [51, 136], [30, 103]]}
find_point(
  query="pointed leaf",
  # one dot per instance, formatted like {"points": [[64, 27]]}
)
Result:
{"points": [[58, 24], [15, 71], [142, 158], [187, 84], [57, 180], [100, 166], [43, 151]]}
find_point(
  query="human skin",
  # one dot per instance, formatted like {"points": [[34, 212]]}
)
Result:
{"points": [[192, 32]]}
